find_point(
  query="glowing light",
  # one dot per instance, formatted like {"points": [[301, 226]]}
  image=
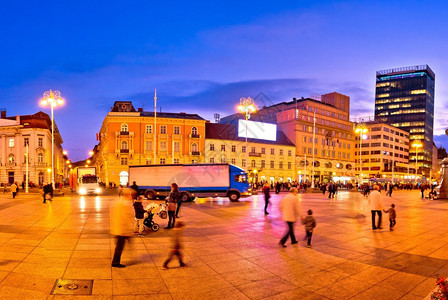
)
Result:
{"points": [[64, 152], [90, 153], [67, 162], [49, 170], [88, 161]]}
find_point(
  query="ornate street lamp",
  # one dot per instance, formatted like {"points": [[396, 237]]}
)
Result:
{"points": [[52, 98], [416, 145], [361, 129], [247, 106]]}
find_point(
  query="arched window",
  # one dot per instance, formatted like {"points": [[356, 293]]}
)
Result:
{"points": [[194, 147], [194, 131], [40, 158], [252, 163], [124, 127], [11, 159], [124, 145]]}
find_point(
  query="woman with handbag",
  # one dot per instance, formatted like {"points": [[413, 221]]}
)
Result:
{"points": [[173, 197]]}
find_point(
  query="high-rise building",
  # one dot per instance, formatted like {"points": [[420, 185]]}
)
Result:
{"points": [[404, 98]]}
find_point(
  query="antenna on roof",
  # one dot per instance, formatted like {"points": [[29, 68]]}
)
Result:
{"points": [[217, 118]]}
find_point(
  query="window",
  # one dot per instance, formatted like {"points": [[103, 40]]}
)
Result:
{"points": [[289, 152], [148, 129], [223, 147], [176, 161], [26, 141], [281, 151], [289, 165], [223, 160], [280, 165], [176, 130], [176, 146], [272, 151], [243, 149], [323, 152], [163, 129], [194, 131], [124, 145], [40, 142], [11, 143], [272, 164], [243, 163], [40, 158], [148, 161], [310, 150], [252, 163], [252, 150], [163, 146], [233, 148], [212, 147], [304, 150], [263, 164], [124, 127], [11, 158], [194, 147], [263, 150], [212, 160], [148, 146], [162, 161], [124, 161], [304, 139], [233, 161]]}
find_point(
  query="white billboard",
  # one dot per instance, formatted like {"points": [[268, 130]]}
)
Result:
{"points": [[257, 130]]}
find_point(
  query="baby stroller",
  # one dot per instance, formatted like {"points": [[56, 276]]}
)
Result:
{"points": [[148, 221]]}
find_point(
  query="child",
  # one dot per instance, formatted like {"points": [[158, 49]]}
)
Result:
{"points": [[310, 222], [177, 245], [139, 216], [392, 216]]}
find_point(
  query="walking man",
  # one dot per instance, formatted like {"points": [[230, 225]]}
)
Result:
{"points": [[14, 187], [121, 223], [376, 206], [290, 208]]}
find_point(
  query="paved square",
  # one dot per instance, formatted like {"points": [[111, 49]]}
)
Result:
{"points": [[230, 248]]}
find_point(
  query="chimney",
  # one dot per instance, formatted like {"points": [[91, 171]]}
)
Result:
{"points": [[3, 113], [140, 109]]}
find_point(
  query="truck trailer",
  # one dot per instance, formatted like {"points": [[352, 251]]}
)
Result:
{"points": [[194, 180], [83, 180]]}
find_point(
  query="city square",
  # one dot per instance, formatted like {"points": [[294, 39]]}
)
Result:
{"points": [[231, 250]]}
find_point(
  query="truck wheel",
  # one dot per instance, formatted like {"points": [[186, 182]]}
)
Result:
{"points": [[234, 196], [184, 197], [150, 195]]}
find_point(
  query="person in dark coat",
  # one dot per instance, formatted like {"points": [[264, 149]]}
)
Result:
{"points": [[267, 196], [139, 216], [48, 190], [172, 205], [134, 186]]}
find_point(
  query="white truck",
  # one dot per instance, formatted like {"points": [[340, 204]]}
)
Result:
{"points": [[194, 180], [83, 180]]}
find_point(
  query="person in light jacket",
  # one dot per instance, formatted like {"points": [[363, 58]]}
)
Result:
{"points": [[376, 206], [290, 208], [121, 223]]}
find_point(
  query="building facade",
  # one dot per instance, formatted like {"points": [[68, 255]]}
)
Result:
{"points": [[384, 151], [404, 98], [323, 136], [29, 135], [269, 161], [131, 137]]}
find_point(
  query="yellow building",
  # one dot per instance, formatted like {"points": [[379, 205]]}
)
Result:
{"points": [[267, 160], [130, 137], [35, 131]]}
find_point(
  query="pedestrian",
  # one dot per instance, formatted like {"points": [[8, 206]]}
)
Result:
{"points": [[5, 186], [277, 187], [139, 215], [267, 196], [376, 206], [176, 242], [290, 208], [422, 190], [330, 190], [120, 218], [48, 192], [173, 197], [392, 215], [310, 222], [134, 186], [14, 187], [23, 185], [323, 188]]}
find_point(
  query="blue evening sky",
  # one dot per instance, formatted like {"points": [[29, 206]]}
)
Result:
{"points": [[202, 56]]}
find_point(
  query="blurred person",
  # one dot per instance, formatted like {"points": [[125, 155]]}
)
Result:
{"points": [[173, 198], [376, 206], [120, 217], [14, 188], [176, 242], [267, 196], [134, 186], [47, 192], [139, 216], [290, 208]]}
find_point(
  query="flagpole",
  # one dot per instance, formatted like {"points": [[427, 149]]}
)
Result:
{"points": [[155, 126], [314, 145]]}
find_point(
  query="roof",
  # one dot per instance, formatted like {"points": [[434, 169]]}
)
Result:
{"points": [[37, 120], [230, 132], [172, 115]]}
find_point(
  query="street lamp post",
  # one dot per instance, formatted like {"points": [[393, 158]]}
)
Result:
{"points": [[361, 129], [246, 107], [52, 98], [416, 145]]}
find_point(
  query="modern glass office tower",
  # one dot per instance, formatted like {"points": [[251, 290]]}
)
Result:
{"points": [[404, 98]]}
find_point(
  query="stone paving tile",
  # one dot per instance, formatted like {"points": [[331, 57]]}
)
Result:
{"points": [[227, 293], [343, 289], [122, 287], [28, 282], [266, 288]]}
